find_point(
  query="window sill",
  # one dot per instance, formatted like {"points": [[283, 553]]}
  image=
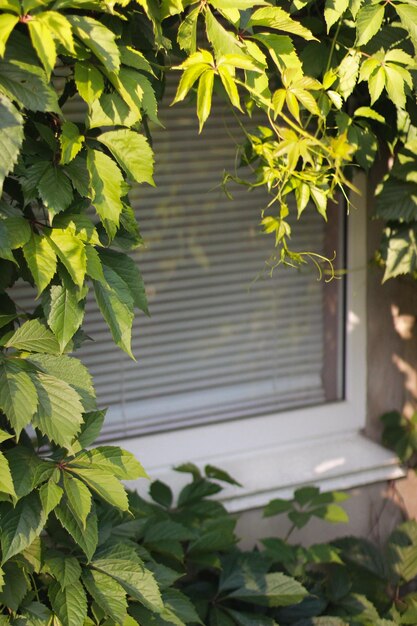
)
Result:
{"points": [[340, 461]]}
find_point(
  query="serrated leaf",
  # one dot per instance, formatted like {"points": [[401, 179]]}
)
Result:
{"points": [[105, 484], [108, 593], [71, 142], [25, 467], [11, 136], [128, 271], [274, 589], [20, 525], [44, 44], [348, 72], [98, 38], [204, 96], [123, 565], [89, 81], [68, 603], [111, 110], [59, 413], [16, 586], [64, 314], [187, 32], [277, 18], [222, 40], [27, 87], [50, 494], [41, 259], [6, 480], [368, 22], [119, 462], [59, 27], [230, 86], [86, 538], [408, 17], [90, 430], [71, 371], [18, 231], [116, 305], [65, 569], [69, 248], [33, 336], [107, 186], [18, 397], [7, 24], [333, 11], [78, 496], [132, 152]]}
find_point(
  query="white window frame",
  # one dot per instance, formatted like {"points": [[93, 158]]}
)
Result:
{"points": [[273, 454]]}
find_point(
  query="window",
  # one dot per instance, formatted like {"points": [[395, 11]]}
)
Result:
{"points": [[265, 378]]}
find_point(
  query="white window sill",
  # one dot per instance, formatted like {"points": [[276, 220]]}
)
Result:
{"points": [[340, 461]]}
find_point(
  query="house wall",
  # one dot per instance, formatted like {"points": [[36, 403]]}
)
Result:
{"points": [[374, 510]]}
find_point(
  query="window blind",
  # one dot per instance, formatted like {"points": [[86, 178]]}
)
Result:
{"points": [[223, 341]]}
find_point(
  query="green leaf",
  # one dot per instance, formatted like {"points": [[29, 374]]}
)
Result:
{"points": [[408, 16], [222, 40], [41, 260], [124, 266], [98, 38], [16, 586], [11, 136], [33, 336], [368, 22], [107, 186], [59, 27], [71, 371], [65, 569], [122, 564], [77, 172], [204, 95], [79, 498], [401, 253], [187, 32], [108, 593], [71, 142], [348, 72], [69, 248], [90, 430], [132, 152], [135, 58], [230, 86], [333, 11], [116, 305], [59, 414], [86, 538], [64, 314], [274, 589], [44, 44], [28, 87], [55, 190], [20, 525], [7, 24], [111, 110], [68, 603], [6, 480], [25, 467], [277, 18], [18, 398], [161, 493], [105, 484], [18, 231], [89, 81], [50, 494], [112, 459]]}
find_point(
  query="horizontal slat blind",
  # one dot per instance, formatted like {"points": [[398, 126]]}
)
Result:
{"points": [[222, 342]]}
